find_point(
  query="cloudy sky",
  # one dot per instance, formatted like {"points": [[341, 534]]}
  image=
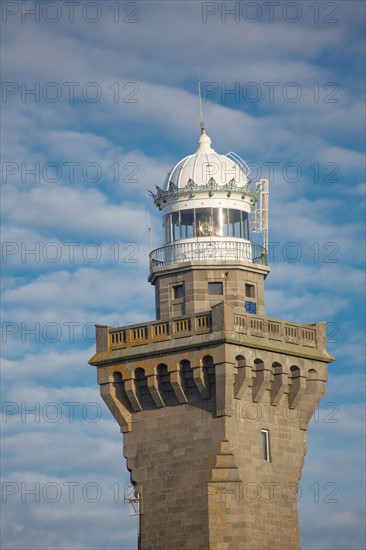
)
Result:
{"points": [[99, 102]]}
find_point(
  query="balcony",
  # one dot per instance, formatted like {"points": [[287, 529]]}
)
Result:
{"points": [[207, 251], [222, 322]]}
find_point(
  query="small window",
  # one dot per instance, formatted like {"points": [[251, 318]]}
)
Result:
{"points": [[249, 291], [215, 289], [178, 291], [265, 445]]}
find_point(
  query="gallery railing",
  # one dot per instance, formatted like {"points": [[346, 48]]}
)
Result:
{"points": [[206, 251]]}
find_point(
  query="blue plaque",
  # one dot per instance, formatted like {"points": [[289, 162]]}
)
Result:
{"points": [[251, 307]]}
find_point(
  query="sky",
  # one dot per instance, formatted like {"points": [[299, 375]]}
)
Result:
{"points": [[99, 102]]}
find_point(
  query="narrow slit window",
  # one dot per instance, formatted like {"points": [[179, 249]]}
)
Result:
{"points": [[265, 445]]}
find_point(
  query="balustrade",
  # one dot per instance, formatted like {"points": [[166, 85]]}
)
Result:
{"points": [[250, 325]]}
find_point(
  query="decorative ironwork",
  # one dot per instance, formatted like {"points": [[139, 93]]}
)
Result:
{"points": [[229, 187], [211, 186], [191, 189], [191, 185], [172, 187]]}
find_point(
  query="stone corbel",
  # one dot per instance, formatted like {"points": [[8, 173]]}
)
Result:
{"points": [[198, 377], [297, 390], [243, 380], [280, 385], [110, 394], [152, 384], [315, 389], [177, 386], [130, 389], [262, 382]]}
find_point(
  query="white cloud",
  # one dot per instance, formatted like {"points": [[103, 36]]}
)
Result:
{"points": [[71, 212], [159, 54]]}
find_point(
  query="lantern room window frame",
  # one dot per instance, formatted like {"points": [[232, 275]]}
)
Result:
{"points": [[206, 222]]}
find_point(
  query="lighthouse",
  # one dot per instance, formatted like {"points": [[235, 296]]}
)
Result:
{"points": [[213, 397]]}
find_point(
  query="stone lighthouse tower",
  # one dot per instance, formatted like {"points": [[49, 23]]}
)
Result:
{"points": [[213, 397]]}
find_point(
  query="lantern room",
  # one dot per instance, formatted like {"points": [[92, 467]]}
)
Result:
{"points": [[211, 211]]}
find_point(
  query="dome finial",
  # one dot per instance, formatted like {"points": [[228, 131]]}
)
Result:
{"points": [[202, 124], [204, 143]]}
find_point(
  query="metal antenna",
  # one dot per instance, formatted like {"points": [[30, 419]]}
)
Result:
{"points": [[149, 229], [149, 226], [202, 125]]}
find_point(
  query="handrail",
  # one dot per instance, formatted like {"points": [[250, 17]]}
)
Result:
{"points": [[206, 251]]}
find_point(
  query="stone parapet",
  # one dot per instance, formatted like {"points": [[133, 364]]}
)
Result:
{"points": [[222, 322]]}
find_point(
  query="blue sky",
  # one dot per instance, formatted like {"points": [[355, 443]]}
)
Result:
{"points": [[114, 109]]}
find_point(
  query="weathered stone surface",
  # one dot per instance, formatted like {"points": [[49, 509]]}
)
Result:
{"points": [[193, 395], [196, 275]]}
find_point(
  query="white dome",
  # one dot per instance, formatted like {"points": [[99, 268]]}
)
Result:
{"points": [[205, 164], [207, 201]]}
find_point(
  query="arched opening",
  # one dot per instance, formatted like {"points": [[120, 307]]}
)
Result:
{"points": [[117, 377], [276, 367], [165, 387], [187, 380], [294, 371], [142, 390], [258, 364], [208, 369], [187, 374], [312, 374], [121, 395], [240, 363]]}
